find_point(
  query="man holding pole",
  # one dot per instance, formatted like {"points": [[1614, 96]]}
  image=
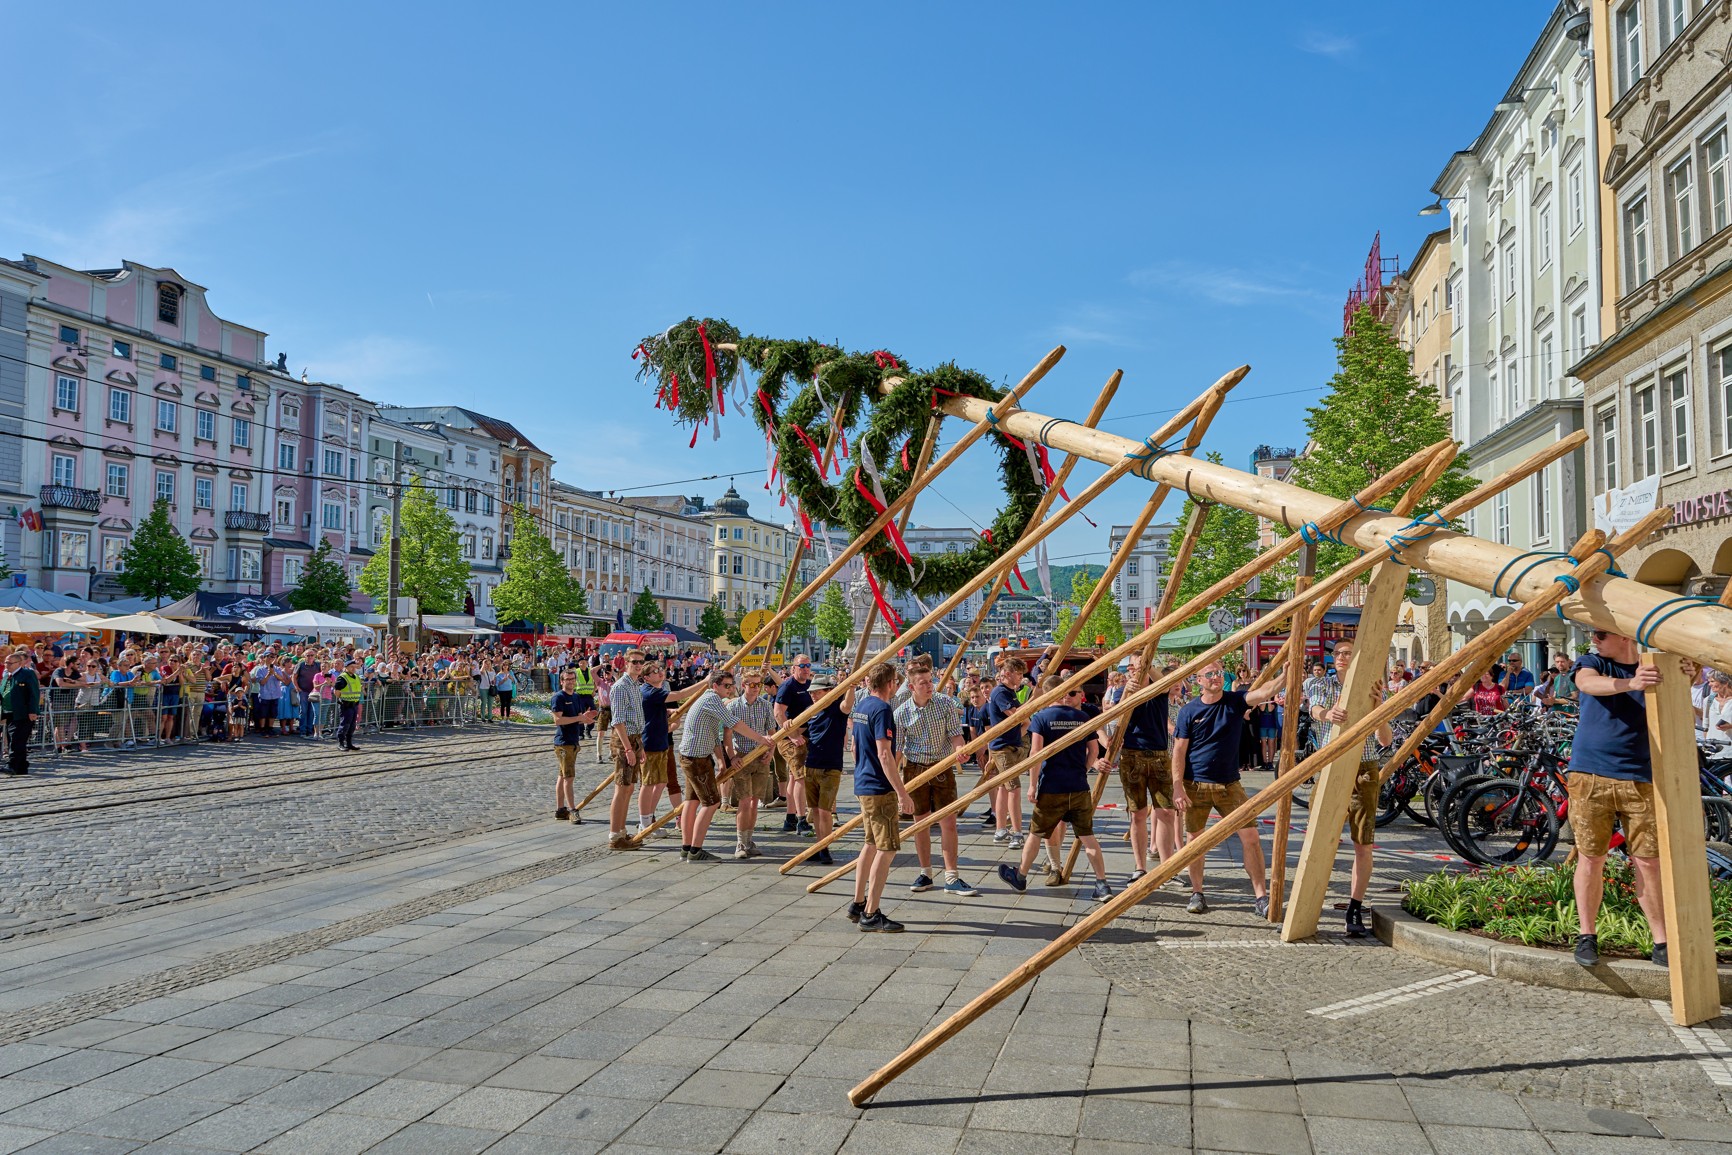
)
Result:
{"points": [[878, 787], [1008, 749], [1146, 774], [1611, 779], [1061, 789], [826, 740], [704, 728], [1206, 740], [625, 701], [931, 728], [1328, 708], [793, 698]]}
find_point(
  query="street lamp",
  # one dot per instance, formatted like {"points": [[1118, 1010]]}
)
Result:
{"points": [[1436, 206], [1519, 101]]}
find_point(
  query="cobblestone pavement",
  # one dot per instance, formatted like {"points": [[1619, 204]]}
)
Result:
{"points": [[186, 831], [519, 991]]}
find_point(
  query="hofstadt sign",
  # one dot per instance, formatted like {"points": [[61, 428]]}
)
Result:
{"points": [[1707, 507]]}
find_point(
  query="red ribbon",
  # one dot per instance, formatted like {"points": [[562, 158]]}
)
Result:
{"points": [[936, 391], [693, 443], [639, 351], [905, 464], [805, 523], [889, 526], [710, 372], [675, 404], [817, 454], [1022, 581], [886, 360], [884, 608], [769, 413]]}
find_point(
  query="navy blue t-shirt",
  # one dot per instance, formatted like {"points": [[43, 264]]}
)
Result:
{"points": [[827, 738], [1148, 725], [1611, 732], [797, 698], [1214, 732], [1000, 706], [655, 719], [570, 705], [1066, 772], [974, 720], [872, 721]]}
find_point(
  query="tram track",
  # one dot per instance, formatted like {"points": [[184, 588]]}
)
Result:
{"points": [[267, 775]]}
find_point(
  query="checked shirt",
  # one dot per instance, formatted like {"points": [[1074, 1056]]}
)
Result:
{"points": [[759, 715], [704, 724], [626, 702], [1326, 696], [925, 732]]}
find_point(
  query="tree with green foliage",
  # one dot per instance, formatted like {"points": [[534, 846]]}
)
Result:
{"points": [[1227, 541], [431, 568], [537, 586], [833, 621], [713, 622], [158, 563], [1376, 415], [324, 587], [645, 613], [1107, 620], [801, 623]]}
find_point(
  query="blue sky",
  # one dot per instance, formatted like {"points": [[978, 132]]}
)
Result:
{"points": [[490, 205]]}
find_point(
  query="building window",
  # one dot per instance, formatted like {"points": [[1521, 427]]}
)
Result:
{"points": [[203, 554], [333, 463], [112, 548], [66, 394], [471, 457], [739, 533], [1542, 504], [243, 382], [168, 302], [1714, 168], [237, 497], [207, 372], [167, 416], [120, 406], [119, 481], [1636, 243], [291, 571], [535, 492], [165, 486], [72, 549], [1548, 366], [487, 504], [1674, 14], [201, 492], [1627, 45], [722, 558], [1645, 461], [470, 501], [68, 335], [243, 433], [204, 425], [285, 511], [1131, 591], [168, 361], [123, 350], [451, 498], [740, 565], [469, 545], [250, 565], [486, 549], [1544, 239], [1579, 333], [1500, 518], [1680, 218], [286, 456], [1577, 210], [1608, 449], [1677, 396], [1509, 270], [65, 470], [1131, 568]]}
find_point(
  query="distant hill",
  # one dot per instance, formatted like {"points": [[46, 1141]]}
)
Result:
{"points": [[1062, 576]]}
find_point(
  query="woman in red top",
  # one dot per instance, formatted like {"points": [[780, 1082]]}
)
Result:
{"points": [[1487, 695]]}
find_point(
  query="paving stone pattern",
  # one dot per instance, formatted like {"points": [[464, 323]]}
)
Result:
{"points": [[631, 1003], [75, 867]]}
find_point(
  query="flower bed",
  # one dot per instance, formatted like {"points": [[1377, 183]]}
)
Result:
{"points": [[1536, 906]]}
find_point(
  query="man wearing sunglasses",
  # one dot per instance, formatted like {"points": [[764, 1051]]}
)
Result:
{"points": [[793, 698], [1206, 739], [626, 701]]}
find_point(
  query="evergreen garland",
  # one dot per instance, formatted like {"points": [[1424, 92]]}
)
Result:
{"points": [[827, 376]]}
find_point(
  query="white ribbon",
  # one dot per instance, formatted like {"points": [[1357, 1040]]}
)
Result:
{"points": [[1044, 568]]}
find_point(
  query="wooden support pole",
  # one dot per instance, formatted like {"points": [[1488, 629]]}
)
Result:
{"points": [[590, 797], [1115, 745], [1610, 603], [1142, 888], [1298, 635], [1385, 484], [1683, 852], [920, 464]]}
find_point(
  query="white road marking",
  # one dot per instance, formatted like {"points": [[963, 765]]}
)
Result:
{"points": [[1712, 1053], [1378, 1000], [1248, 943]]}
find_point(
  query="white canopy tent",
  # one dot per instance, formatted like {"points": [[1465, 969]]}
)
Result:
{"points": [[310, 622], [154, 624]]}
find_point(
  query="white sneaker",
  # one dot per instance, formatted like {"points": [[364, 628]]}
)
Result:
{"points": [[666, 831], [741, 854], [1001, 836], [1015, 843], [128, 744]]}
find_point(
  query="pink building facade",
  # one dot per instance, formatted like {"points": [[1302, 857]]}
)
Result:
{"points": [[136, 390]]}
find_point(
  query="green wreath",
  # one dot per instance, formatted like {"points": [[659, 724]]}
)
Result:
{"points": [[830, 379]]}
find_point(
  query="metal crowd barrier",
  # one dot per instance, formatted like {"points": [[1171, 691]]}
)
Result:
{"points": [[145, 718]]}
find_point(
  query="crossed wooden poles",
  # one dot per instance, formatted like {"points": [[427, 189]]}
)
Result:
{"points": [[1577, 587]]}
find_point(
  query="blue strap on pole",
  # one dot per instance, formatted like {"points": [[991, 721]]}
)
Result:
{"points": [[1652, 620], [1612, 569], [1147, 456], [1543, 556], [1418, 529], [1313, 534]]}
